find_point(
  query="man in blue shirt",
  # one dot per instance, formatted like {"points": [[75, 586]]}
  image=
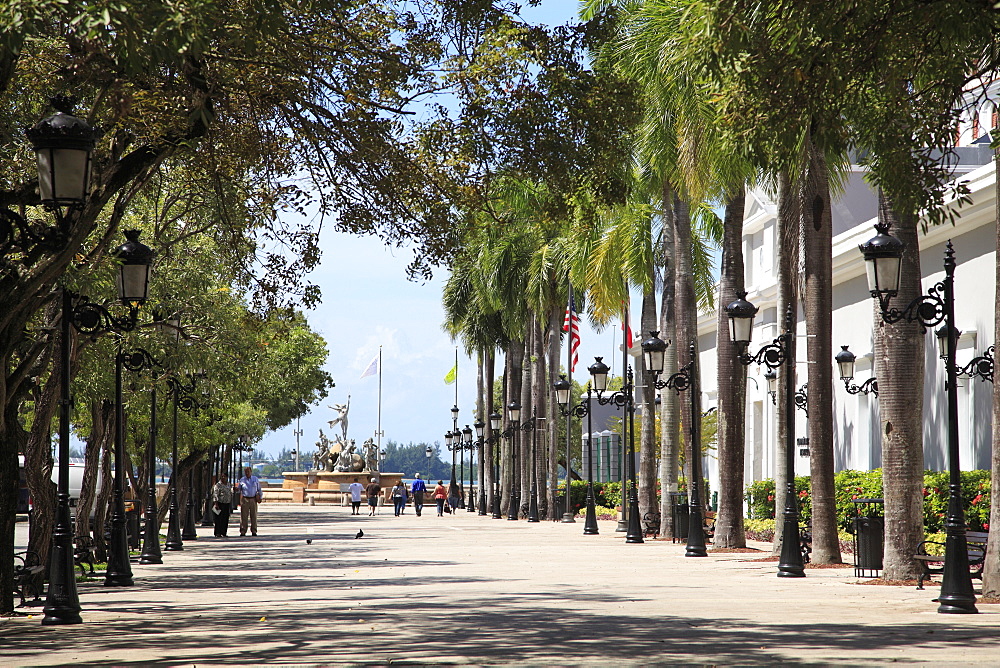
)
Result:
{"points": [[250, 496], [418, 488]]}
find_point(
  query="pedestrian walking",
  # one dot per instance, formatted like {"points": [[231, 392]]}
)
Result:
{"points": [[356, 488], [222, 506], [454, 496], [250, 496], [399, 497], [440, 495], [372, 490], [418, 488]]}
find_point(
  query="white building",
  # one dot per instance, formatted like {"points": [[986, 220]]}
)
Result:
{"points": [[856, 424]]}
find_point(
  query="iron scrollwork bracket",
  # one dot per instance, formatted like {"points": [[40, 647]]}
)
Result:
{"points": [[980, 367], [772, 355], [927, 309], [679, 381], [92, 318]]}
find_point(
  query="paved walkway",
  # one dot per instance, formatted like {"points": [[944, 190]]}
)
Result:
{"points": [[470, 590]]}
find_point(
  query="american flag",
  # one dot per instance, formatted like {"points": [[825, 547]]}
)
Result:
{"points": [[571, 324]]}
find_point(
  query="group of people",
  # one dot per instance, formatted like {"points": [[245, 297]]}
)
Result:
{"points": [[246, 492], [400, 496]]}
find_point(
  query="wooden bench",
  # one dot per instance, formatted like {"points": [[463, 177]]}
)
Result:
{"points": [[27, 566], [933, 564], [83, 553]]}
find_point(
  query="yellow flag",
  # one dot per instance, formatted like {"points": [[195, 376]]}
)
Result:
{"points": [[451, 375]]}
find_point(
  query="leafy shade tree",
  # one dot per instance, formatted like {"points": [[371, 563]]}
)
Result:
{"points": [[411, 459]]}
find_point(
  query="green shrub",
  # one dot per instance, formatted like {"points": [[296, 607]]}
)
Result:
{"points": [[850, 485]]}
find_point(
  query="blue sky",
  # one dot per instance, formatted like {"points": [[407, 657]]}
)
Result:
{"points": [[368, 302]]}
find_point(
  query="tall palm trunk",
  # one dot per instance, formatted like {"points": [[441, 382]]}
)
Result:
{"points": [[489, 456], [477, 482], [731, 383], [818, 235], [555, 322], [539, 434], [899, 367], [647, 397], [687, 316], [788, 225], [991, 569], [513, 379], [669, 416], [524, 438]]}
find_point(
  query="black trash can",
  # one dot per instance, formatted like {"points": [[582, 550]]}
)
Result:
{"points": [[682, 515], [132, 527], [869, 527]]}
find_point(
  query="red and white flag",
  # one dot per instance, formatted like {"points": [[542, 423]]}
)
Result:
{"points": [[571, 324], [626, 325]]}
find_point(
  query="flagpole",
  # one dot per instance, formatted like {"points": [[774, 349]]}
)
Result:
{"points": [[568, 516], [378, 428]]}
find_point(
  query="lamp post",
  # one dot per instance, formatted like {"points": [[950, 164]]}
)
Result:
{"points": [[686, 379], [471, 447], [781, 351], [134, 259], [883, 254], [495, 423], [298, 435], [514, 413], [562, 388], [180, 393], [481, 443], [622, 399], [63, 145], [845, 363], [533, 501], [457, 443]]}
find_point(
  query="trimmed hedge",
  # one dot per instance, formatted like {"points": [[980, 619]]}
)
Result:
{"points": [[849, 485]]}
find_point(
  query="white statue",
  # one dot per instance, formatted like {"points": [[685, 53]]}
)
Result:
{"points": [[341, 418]]}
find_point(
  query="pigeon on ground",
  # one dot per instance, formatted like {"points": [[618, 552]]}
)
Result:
{"points": [[359, 534], [309, 541]]}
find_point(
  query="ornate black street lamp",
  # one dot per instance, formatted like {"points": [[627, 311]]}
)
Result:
{"points": [[622, 399], [180, 393], [845, 363], [781, 351], [471, 447], [481, 443], [532, 426], [883, 254], [496, 421], [686, 379], [514, 413], [580, 410], [63, 145]]}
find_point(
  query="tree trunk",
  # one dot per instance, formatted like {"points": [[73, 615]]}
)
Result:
{"points": [[669, 416], [687, 316], [524, 450], [647, 397], [100, 416], [489, 408], [514, 379], [539, 434], [788, 225], [732, 381], [101, 509], [991, 569], [555, 322], [899, 367], [818, 235]]}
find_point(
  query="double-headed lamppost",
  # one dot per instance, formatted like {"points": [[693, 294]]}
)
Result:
{"points": [[182, 399], [514, 413], [480, 444], [533, 501], [470, 445], [686, 379], [562, 388], [622, 399], [884, 254], [781, 351], [135, 259], [496, 422]]}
